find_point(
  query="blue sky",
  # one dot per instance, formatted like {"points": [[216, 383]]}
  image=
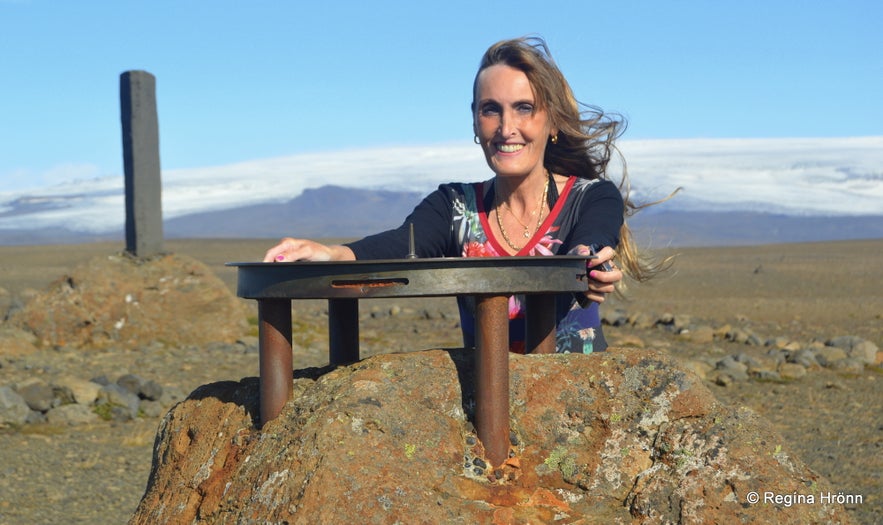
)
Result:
{"points": [[239, 80]]}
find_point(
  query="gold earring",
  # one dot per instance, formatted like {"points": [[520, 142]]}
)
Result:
{"points": [[554, 139], [475, 140]]}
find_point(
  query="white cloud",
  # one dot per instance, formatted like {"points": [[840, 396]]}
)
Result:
{"points": [[796, 176]]}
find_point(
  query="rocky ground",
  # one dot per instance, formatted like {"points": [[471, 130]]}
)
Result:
{"points": [[753, 321]]}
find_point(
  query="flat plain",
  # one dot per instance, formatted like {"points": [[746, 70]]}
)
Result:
{"points": [[803, 292]]}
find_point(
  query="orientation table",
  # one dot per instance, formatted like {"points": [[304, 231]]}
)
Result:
{"points": [[490, 280]]}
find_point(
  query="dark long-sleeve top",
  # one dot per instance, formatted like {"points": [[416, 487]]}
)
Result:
{"points": [[452, 221]]}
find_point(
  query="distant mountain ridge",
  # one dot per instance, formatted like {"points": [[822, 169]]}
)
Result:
{"points": [[342, 212], [328, 211]]}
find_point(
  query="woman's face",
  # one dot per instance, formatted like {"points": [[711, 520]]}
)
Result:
{"points": [[511, 129]]}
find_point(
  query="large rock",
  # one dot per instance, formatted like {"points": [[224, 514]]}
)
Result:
{"points": [[15, 342], [624, 436], [13, 408], [122, 299]]}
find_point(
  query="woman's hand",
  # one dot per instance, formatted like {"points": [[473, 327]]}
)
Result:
{"points": [[290, 249], [600, 282]]}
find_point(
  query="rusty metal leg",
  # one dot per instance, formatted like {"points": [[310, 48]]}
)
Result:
{"points": [[539, 337], [274, 328], [492, 376], [343, 331]]}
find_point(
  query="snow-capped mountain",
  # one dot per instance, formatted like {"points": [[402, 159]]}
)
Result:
{"points": [[793, 177]]}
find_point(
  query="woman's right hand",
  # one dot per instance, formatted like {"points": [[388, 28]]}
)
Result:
{"points": [[290, 249]]}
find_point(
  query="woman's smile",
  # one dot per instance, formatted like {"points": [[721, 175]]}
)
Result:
{"points": [[511, 126], [509, 148]]}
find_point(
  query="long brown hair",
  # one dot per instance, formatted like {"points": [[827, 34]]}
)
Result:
{"points": [[586, 139]]}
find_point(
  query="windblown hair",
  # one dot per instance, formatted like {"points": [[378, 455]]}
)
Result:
{"points": [[586, 140]]}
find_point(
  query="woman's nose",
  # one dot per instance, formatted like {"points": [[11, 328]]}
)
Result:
{"points": [[507, 125]]}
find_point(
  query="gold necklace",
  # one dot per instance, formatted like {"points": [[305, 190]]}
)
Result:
{"points": [[527, 233], [539, 209]]}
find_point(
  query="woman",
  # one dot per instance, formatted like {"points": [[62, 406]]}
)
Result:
{"points": [[549, 194]]}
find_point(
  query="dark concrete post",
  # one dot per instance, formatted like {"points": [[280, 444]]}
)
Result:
{"points": [[144, 235]]}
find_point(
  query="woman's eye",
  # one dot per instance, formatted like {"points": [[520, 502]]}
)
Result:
{"points": [[525, 108], [489, 110]]}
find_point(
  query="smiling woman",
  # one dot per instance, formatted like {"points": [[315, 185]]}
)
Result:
{"points": [[549, 195]]}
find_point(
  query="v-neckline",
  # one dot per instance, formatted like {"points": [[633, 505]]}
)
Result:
{"points": [[537, 236]]}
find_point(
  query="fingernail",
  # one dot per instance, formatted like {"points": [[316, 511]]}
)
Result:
{"points": [[280, 257]]}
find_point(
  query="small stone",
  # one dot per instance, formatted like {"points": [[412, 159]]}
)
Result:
{"points": [[733, 368], [857, 348], [666, 319], [17, 342], [641, 321], [723, 332], [765, 375], [71, 415], [777, 355], [118, 413], [681, 322], [828, 355], [13, 409], [747, 360], [615, 317], [804, 357], [792, 346], [791, 371], [701, 368], [172, 395], [130, 382], [84, 392], [35, 418], [754, 340], [849, 365], [150, 390], [62, 396], [120, 404], [702, 334], [149, 408], [37, 394], [779, 342], [744, 336], [101, 380], [723, 380]]}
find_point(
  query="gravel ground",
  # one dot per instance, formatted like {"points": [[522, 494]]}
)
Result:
{"points": [[96, 473]]}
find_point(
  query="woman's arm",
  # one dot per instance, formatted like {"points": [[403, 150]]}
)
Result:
{"points": [[597, 233], [431, 218], [290, 249]]}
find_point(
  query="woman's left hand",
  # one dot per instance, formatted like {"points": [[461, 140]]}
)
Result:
{"points": [[601, 282]]}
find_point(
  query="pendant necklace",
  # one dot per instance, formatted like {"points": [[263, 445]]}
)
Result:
{"points": [[527, 233]]}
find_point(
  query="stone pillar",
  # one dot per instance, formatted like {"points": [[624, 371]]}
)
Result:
{"points": [[144, 235]]}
